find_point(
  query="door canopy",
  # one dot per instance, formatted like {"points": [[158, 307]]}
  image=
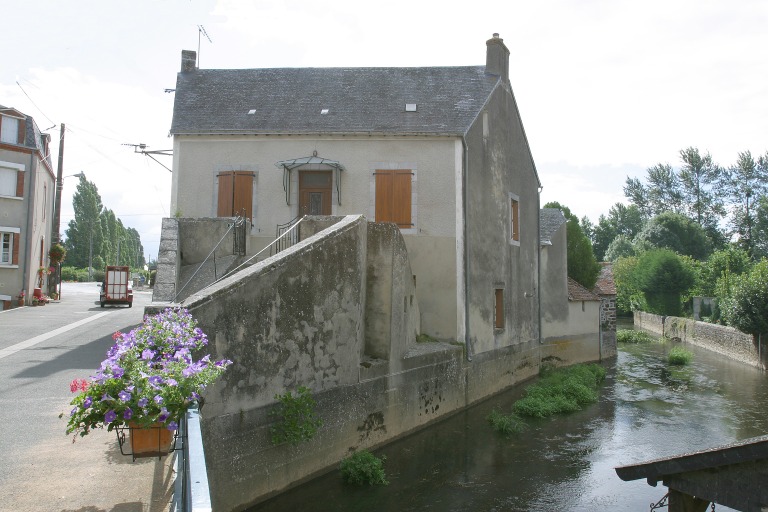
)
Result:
{"points": [[313, 163]]}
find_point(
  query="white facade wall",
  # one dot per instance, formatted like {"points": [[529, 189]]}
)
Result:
{"points": [[431, 242]]}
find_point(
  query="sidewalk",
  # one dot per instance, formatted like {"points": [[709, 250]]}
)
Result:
{"points": [[42, 469]]}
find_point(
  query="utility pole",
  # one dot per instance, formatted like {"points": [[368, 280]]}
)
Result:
{"points": [[57, 208]]}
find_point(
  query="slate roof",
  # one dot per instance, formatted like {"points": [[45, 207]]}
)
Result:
{"points": [[33, 138], [578, 292], [605, 284], [550, 220], [359, 100]]}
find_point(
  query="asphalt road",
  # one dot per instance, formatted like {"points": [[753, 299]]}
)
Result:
{"points": [[42, 349]]}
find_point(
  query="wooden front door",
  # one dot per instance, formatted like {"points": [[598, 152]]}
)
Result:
{"points": [[315, 192]]}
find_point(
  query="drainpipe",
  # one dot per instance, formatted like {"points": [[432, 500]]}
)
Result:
{"points": [[538, 256], [464, 180], [30, 223]]}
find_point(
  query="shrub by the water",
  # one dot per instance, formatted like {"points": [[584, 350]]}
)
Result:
{"points": [[632, 336], [561, 390], [506, 424], [364, 468], [680, 356]]}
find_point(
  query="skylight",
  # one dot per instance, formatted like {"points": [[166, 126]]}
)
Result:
{"points": [[410, 107]]}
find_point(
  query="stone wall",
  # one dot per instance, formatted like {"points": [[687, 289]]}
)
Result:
{"points": [[717, 338], [300, 318]]}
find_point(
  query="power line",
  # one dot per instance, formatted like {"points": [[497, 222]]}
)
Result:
{"points": [[35, 104]]}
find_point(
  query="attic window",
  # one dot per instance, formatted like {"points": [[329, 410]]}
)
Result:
{"points": [[324, 111], [410, 107], [252, 111]]}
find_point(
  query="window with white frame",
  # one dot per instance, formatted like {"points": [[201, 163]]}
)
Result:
{"points": [[9, 130], [8, 181], [9, 241]]}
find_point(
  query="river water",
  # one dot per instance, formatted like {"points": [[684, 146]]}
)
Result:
{"points": [[647, 409]]}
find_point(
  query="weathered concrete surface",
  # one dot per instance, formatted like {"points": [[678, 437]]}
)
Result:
{"points": [[724, 340], [300, 318]]}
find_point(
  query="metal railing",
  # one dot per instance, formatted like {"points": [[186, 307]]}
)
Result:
{"points": [[285, 236]]}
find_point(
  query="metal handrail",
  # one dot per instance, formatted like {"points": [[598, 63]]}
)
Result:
{"points": [[287, 241]]}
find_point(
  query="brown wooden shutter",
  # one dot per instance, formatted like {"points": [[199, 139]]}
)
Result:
{"points": [[243, 194], [22, 138], [402, 199], [15, 251], [384, 193], [19, 183], [393, 197], [515, 220], [226, 194]]}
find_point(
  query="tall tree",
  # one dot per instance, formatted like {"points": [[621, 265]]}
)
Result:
{"points": [[84, 233], [661, 194], [621, 220], [698, 176], [745, 183], [675, 232]]}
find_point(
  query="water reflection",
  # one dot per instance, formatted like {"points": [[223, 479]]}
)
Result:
{"points": [[647, 409]]}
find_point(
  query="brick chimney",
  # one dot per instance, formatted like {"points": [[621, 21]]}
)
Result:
{"points": [[497, 58], [188, 60]]}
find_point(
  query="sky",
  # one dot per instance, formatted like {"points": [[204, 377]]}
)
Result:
{"points": [[606, 88]]}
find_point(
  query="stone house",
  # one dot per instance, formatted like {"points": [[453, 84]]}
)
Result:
{"points": [[570, 314], [440, 151], [27, 188]]}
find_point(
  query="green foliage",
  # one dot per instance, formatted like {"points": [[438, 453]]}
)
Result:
{"points": [[746, 183], [633, 336], [747, 307], [296, 418], [620, 247], [663, 277], [628, 296], [718, 271], [679, 356], [57, 253], [674, 232], [623, 222], [364, 468], [582, 265], [506, 424], [425, 338], [561, 390]]}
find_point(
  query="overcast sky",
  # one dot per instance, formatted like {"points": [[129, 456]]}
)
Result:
{"points": [[605, 88]]}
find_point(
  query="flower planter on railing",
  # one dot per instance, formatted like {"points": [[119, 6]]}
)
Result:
{"points": [[153, 441]]}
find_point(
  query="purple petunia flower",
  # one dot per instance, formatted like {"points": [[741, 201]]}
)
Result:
{"points": [[124, 396], [74, 411], [155, 381], [106, 398], [171, 382], [117, 371], [172, 425], [147, 354], [110, 416], [128, 413], [143, 402], [163, 415], [158, 399], [87, 402]]}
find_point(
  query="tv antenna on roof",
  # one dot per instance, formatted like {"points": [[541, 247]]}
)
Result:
{"points": [[201, 30]]}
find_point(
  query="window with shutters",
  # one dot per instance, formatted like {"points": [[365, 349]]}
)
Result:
{"points": [[11, 130], [393, 197], [235, 194], [9, 246], [11, 180], [514, 219]]}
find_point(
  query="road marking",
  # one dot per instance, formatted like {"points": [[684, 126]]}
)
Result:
{"points": [[39, 339]]}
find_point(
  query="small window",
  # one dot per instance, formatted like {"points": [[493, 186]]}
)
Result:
{"points": [[498, 310], [515, 219], [6, 248]]}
